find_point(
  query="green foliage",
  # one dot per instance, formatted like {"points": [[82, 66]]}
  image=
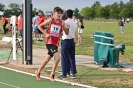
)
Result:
{"points": [[16, 9], [76, 13], [2, 7], [115, 10], [96, 4], [88, 12]]}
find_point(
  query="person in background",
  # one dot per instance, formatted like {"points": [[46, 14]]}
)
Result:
{"points": [[20, 28], [128, 20], [4, 23], [80, 30], [11, 21], [75, 21], [41, 19], [122, 24], [68, 48], [35, 26]]}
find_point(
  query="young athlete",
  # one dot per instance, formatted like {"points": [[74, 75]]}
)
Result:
{"points": [[52, 35]]}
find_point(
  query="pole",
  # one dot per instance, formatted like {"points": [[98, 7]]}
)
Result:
{"points": [[14, 36], [27, 32]]}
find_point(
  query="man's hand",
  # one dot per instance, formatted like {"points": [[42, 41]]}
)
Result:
{"points": [[67, 26], [47, 35]]}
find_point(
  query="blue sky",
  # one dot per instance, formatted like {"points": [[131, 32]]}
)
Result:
{"points": [[48, 5]]}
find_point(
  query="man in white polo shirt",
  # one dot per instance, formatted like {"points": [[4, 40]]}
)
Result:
{"points": [[68, 48], [74, 19]]}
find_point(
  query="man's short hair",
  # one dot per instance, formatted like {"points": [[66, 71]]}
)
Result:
{"points": [[39, 13], [69, 13], [58, 9], [36, 13]]}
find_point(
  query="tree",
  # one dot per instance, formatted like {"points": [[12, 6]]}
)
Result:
{"points": [[106, 11], [102, 12], [15, 8], [34, 11], [2, 7], [76, 13], [96, 4], [114, 10], [121, 5], [129, 7], [87, 12], [124, 13], [41, 12], [131, 1]]}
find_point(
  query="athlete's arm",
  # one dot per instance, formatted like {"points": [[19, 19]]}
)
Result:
{"points": [[66, 28], [40, 27], [33, 23]]}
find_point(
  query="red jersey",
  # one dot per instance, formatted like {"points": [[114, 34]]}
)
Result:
{"points": [[41, 19], [3, 20], [55, 31], [20, 23]]}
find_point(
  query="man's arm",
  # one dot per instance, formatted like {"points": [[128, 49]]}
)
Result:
{"points": [[40, 27], [33, 23], [66, 28]]}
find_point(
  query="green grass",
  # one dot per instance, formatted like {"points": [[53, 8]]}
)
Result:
{"points": [[4, 55], [100, 78], [90, 27], [18, 80], [88, 43]]}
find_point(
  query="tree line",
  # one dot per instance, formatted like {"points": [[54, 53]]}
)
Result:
{"points": [[15, 9], [115, 10]]}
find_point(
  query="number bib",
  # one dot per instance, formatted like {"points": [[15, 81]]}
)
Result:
{"points": [[55, 30]]}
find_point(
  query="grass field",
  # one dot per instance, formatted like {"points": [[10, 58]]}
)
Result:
{"points": [[87, 43], [18, 80], [97, 77], [90, 27]]}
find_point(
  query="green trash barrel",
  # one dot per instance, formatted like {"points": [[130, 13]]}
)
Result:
{"points": [[107, 41], [107, 38], [97, 40], [113, 60]]}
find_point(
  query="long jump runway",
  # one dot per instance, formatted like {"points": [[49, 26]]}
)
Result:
{"points": [[15, 79]]}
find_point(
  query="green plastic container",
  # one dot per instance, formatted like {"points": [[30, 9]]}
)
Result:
{"points": [[103, 52], [107, 38], [97, 39], [113, 60], [113, 57], [107, 41]]}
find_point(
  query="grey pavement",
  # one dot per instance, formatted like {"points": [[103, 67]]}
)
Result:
{"points": [[39, 54]]}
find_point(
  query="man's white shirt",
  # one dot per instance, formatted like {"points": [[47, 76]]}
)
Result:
{"points": [[72, 30]]}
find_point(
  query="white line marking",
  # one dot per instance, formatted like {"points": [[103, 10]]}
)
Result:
{"points": [[10, 85]]}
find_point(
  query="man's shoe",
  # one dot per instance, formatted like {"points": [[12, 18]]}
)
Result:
{"points": [[62, 77], [68, 74], [52, 78], [73, 76], [37, 75]]}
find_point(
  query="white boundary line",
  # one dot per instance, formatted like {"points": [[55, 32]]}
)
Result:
{"points": [[9, 85], [71, 83]]}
